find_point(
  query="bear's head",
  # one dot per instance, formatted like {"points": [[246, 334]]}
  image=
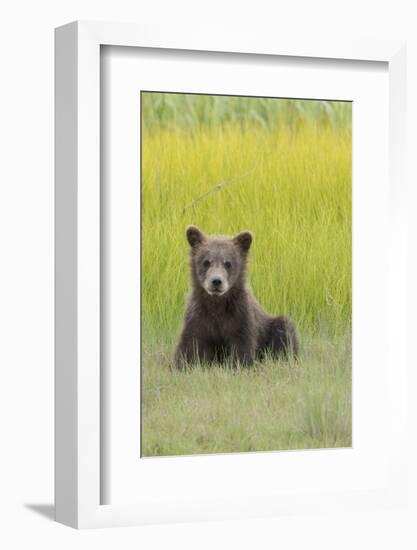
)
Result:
{"points": [[218, 263]]}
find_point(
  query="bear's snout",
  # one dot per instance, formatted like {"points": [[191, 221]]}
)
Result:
{"points": [[216, 283]]}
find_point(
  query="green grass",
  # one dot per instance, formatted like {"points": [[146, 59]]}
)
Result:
{"points": [[281, 169], [284, 405], [191, 112]]}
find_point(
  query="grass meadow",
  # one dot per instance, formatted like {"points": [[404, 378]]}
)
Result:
{"points": [[281, 169]]}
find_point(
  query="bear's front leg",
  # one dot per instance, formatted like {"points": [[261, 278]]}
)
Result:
{"points": [[243, 349], [192, 349]]}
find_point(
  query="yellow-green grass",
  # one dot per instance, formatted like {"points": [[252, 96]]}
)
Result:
{"points": [[290, 184]]}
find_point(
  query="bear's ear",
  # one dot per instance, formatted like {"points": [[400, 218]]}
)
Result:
{"points": [[243, 240], [194, 235]]}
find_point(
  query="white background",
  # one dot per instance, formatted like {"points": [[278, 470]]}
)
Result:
{"points": [[26, 274], [224, 479]]}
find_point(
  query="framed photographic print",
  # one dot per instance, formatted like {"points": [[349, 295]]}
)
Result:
{"points": [[229, 335]]}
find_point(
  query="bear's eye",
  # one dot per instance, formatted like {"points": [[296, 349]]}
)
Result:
{"points": [[206, 263], [227, 264]]}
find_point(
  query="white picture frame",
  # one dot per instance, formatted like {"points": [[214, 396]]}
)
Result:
{"points": [[78, 406]]}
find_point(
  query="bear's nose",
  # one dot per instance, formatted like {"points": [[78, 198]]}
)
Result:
{"points": [[216, 282]]}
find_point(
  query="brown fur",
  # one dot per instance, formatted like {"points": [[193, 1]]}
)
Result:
{"points": [[223, 321]]}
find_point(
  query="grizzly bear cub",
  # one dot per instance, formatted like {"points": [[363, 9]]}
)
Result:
{"points": [[223, 320]]}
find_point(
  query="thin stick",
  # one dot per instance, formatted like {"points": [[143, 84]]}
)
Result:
{"points": [[216, 188]]}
